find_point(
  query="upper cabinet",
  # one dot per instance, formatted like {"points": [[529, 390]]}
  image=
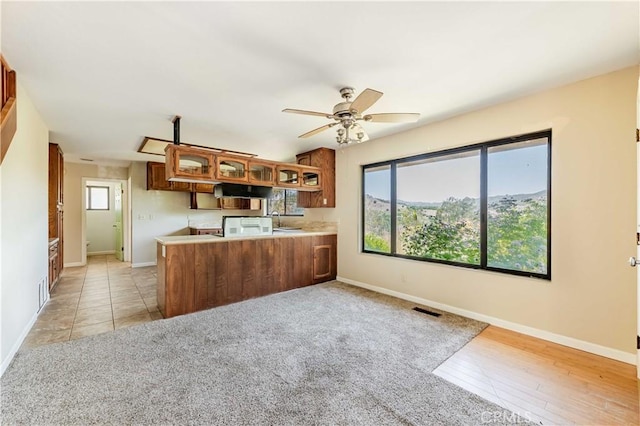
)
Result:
{"points": [[189, 164], [311, 179], [156, 179], [325, 196], [231, 169], [8, 117], [262, 172], [287, 176], [196, 170]]}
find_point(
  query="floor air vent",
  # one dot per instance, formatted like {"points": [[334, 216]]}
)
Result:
{"points": [[424, 311]]}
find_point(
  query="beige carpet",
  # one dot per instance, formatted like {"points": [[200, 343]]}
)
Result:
{"points": [[326, 354]]}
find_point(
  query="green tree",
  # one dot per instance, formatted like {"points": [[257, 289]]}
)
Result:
{"points": [[376, 243], [517, 235], [451, 234]]}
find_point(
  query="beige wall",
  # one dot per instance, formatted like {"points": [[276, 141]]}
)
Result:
{"points": [[24, 226], [592, 295], [73, 207]]}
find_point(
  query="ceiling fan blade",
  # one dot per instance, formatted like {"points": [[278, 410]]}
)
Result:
{"points": [[301, 111], [356, 128], [318, 130], [392, 117], [365, 99]]}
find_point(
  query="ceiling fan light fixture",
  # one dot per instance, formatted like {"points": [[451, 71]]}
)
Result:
{"points": [[348, 113]]}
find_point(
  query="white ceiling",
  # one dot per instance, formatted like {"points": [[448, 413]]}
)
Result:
{"points": [[104, 75]]}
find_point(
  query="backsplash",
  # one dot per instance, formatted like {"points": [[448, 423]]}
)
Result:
{"points": [[214, 220], [307, 225]]}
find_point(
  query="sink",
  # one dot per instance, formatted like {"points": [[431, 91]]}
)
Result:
{"points": [[287, 229]]}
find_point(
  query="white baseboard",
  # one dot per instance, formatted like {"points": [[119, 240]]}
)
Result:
{"points": [[5, 364], [73, 264], [593, 348], [143, 264], [100, 253]]}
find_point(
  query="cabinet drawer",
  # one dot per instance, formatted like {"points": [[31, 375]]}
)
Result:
{"points": [[53, 250]]}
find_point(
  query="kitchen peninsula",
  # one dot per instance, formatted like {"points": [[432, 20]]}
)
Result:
{"points": [[197, 272]]}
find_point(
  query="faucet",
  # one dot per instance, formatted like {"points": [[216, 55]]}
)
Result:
{"points": [[276, 214]]}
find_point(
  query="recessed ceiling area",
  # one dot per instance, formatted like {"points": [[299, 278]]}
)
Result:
{"points": [[105, 75]]}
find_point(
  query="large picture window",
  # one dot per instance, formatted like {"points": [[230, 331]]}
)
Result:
{"points": [[483, 206]]}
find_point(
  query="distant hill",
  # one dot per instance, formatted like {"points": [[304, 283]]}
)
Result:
{"points": [[380, 204], [519, 197]]}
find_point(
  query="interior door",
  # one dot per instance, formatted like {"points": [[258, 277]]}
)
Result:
{"points": [[117, 207]]}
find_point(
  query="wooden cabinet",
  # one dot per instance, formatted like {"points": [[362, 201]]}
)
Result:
{"points": [[324, 258], [156, 179], [193, 277], [9, 116], [262, 173], [310, 179], [206, 188], [189, 163], [287, 176], [325, 159], [54, 262], [56, 206], [230, 169], [314, 173], [176, 279]]}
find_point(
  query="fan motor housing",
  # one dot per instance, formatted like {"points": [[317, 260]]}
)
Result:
{"points": [[342, 109]]}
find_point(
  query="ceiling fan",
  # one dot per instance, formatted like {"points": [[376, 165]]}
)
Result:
{"points": [[349, 112]]}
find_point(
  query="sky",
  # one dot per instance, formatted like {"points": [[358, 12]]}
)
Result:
{"points": [[517, 171]]}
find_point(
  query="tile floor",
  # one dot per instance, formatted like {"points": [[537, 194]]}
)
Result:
{"points": [[102, 296]]}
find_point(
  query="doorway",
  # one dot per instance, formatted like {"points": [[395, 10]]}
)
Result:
{"points": [[104, 218]]}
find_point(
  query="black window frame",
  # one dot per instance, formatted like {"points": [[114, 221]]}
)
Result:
{"points": [[484, 146], [88, 204], [286, 191]]}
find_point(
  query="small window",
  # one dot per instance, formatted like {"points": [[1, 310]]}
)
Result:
{"points": [[285, 202], [97, 198]]}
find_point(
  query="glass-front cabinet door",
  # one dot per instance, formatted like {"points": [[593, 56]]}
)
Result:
{"points": [[311, 179], [262, 173], [231, 169], [189, 163], [288, 176]]}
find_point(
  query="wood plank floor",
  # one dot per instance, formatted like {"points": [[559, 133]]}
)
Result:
{"points": [[547, 383]]}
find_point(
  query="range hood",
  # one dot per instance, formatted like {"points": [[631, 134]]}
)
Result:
{"points": [[235, 190]]}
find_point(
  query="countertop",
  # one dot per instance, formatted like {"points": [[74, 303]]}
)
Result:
{"points": [[52, 241], [197, 239]]}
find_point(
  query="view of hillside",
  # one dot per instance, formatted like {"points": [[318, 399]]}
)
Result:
{"points": [[450, 230]]}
